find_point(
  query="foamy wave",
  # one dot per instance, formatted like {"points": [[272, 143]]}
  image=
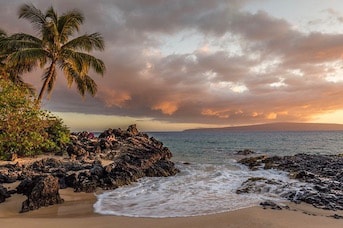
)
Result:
{"points": [[197, 190]]}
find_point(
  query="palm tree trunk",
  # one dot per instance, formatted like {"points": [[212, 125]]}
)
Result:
{"points": [[46, 82]]}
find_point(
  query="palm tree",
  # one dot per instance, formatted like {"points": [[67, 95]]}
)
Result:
{"points": [[54, 48]]}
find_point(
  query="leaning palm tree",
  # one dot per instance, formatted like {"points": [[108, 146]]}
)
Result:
{"points": [[54, 48]]}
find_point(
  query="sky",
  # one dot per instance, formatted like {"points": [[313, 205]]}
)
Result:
{"points": [[178, 64]]}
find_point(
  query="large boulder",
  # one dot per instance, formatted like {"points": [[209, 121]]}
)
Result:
{"points": [[41, 191]]}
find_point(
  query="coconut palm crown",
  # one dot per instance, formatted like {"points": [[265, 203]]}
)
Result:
{"points": [[56, 47]]}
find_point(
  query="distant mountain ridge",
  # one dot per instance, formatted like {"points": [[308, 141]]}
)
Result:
{"points": [[278, 127]]}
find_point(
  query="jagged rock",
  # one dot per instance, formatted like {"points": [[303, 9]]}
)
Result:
{"points": [[323, 172], [245, 152], [41, 191], [123, 173], [132, 129], [7, 176], [9, 173], [271, 205], [3, 194], [86, 182], [253, 162], [70, 180], [77, 150], [45, 165], [260, 185], [162, 168]]}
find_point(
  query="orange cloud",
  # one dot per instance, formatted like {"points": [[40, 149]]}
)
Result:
{"points": [[272, 116], [166, 107], [210, 112], [114, 98]]}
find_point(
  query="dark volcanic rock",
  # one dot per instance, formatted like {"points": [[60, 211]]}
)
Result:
{"points": [[268, 204], [323, 173], [3, 194], [245, 152], [46, 165], [132, 129], [253, 162], [86, 182], [133, 153], [10, 173], [41, 191]]}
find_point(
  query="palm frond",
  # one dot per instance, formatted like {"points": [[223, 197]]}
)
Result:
{"points": [[86, 42], [68, 58], [27, 57], [85, 61], [51, 36], [52, 15], [19, 41], [86, 84], [26, 37], [73, 76], [69, 72], [68, 23], [34, 15], [91, 86]]}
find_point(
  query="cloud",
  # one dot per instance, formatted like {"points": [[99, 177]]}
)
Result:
{"points": [[166, 107], [247, 68]]}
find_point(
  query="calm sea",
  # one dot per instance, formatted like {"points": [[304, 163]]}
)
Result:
{"points": [[208, 184]]}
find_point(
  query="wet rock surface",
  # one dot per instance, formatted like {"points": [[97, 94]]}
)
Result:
{"points": [[268, 204], [322, 173], [128, 155]]}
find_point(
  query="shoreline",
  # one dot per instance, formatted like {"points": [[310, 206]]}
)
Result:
{"points": [[77, 211]]}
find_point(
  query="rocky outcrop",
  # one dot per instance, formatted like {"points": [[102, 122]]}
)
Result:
{"points": [[41, 191], [134, 155], [323, 173], [129, 155]]}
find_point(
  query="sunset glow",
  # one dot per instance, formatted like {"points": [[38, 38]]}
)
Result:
{"points": [[180, 64]]}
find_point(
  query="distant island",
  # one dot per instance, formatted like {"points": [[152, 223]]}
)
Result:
{"points": [[278, 127]]}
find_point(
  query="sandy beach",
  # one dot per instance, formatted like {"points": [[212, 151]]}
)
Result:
{"points": [[77, 211]]}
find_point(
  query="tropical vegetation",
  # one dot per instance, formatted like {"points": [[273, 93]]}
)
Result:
{"points": [[25, 129]]}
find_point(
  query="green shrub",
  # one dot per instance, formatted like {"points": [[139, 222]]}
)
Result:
{"points": [[58, 133], [25, 130]]}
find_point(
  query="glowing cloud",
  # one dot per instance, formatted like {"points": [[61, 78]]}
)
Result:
{"points": [[166, 107]]}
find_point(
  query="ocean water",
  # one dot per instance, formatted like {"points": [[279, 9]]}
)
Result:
{"points": [[210, 174]]}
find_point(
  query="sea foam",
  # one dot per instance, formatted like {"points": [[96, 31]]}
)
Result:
{"points": [[199, 189]]}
